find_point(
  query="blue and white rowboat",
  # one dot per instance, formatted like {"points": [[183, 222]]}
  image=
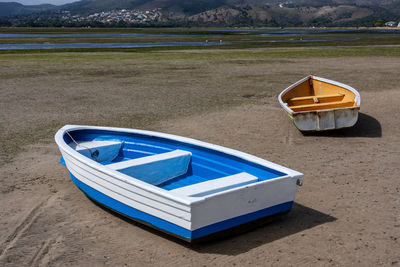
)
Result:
{"points": [[188, 188]]}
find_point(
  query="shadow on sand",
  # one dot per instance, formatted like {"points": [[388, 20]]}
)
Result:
{"points": [[299, 219], [366, 126], [251, 235]]}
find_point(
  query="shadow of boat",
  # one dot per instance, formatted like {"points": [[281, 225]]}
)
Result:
{"points": [[244, 237], [366, 126], [299, 219]]}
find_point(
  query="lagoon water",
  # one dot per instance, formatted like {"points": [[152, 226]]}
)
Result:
{"points": [[205, 34], [211, 32], [80, 35], [133, 45], [104, 45]]}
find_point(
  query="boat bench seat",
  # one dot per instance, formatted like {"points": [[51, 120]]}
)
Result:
{"points": [[216, 185], [318, 106], [106, 150], [304, 100], [155, 169], [316, 96]]}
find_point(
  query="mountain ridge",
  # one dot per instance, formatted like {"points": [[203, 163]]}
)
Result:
{"points": [[14, 8], [235, 12]]}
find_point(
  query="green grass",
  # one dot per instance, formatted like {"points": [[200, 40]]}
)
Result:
{"points": [[212, 54], [354, 47]]}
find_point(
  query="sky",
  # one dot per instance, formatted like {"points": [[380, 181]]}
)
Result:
{"points": [[38, 2]]}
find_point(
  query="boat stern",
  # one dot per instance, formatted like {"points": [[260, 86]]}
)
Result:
{"points": [[325, 119]]}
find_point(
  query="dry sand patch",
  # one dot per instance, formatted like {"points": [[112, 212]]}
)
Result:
{"points": [[346, 213]]}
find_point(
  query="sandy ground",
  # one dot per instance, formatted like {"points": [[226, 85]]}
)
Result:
{"points": [[346, 213]]}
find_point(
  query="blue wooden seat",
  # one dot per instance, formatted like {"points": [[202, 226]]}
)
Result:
{"points": [[98, 150], [155, 169], [216, 185]]}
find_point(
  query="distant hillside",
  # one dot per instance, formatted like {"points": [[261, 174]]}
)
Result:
{"points": [[237, 12], [12, 8], [183, 7], [92, 6], [299, 13]]}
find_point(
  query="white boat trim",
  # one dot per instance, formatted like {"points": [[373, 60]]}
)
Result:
{"points": [[174, 208], [60, 142]]}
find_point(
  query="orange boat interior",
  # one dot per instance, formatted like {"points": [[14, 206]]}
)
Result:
{"points": [[314, 95]]}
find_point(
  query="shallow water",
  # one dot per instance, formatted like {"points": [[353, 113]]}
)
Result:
{"points": [[105, 45], [132, 45], [340, 35], [215, 32], [58, 35]]}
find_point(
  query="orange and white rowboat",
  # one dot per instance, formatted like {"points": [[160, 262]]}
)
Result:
{"points": [[318, 104]]}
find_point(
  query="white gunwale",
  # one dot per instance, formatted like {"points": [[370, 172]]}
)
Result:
{"points": [[59, 138], [167, 205]]}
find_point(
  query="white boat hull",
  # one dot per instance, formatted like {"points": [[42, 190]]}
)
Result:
{"points": [[187, 217], [325, 119]]}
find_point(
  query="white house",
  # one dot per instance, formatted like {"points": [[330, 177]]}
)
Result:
{"points": [[390, 24]]}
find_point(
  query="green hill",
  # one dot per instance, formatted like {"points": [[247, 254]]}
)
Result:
{"points": [[237, 12], [12, 8]]}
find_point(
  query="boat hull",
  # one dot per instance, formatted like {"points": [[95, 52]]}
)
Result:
{"points": [[325, 119], [188, 217], [174, 230]]}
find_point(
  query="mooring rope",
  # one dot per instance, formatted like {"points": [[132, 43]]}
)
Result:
{"points": [[93, 154]]}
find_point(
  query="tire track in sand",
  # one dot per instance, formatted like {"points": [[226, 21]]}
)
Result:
{"points": [[22, 227], [43, 251]]}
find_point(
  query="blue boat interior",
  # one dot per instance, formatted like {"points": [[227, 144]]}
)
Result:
{"points": [[166, 163]]}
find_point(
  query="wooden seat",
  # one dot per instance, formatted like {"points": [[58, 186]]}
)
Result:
{"points": [[155, 169], [318, 106], [216, 185], [317, 96], [304, 100], [102, 150]]}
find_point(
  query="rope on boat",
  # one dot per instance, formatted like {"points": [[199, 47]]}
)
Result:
{"points": [[93, 154]]}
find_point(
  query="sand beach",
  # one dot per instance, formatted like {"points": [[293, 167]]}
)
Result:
{"points": [[346, 213]]}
